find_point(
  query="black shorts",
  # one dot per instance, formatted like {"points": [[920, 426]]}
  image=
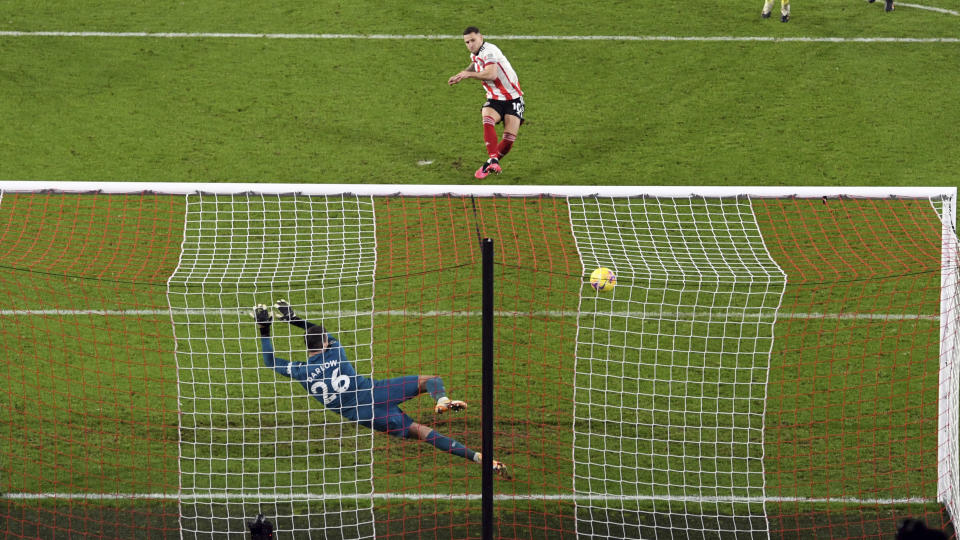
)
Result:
{"points": [[513, 107]]}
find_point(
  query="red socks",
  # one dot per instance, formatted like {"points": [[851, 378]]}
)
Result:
{"points": [[495, 150], [490, 135], [506, 144]]}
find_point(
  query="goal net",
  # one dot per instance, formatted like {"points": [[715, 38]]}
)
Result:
{"points": [[769, 364], [672, 367], [249, 442]]}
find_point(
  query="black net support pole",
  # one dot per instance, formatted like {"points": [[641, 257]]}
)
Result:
{"points": [[486, 490]]}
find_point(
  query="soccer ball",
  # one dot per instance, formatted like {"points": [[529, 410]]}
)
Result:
{"points": [[603, 279]]}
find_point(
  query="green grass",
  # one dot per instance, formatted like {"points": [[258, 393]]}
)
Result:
{"points": [[94, 403], [345, 111]]}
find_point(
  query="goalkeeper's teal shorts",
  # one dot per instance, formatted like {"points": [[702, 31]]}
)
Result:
{"points": [[384, 413]]}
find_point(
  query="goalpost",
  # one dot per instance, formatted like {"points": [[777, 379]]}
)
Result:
{"points": [[772, 362]]}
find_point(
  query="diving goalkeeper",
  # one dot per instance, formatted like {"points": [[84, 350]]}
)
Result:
{"points": [[329, 377]]}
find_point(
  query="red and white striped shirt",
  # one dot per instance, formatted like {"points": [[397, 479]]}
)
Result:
{"points": [[505, 86]]}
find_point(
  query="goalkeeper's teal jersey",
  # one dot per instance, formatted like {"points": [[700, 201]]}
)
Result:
{"points": [[329, 377]]}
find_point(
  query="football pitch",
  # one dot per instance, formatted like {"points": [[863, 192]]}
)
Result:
{"points": [[691, 93], [599, 111]]}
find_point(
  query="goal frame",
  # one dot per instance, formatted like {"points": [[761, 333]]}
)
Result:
{"points": [[948, 442], [426, 190], [949, 374]]}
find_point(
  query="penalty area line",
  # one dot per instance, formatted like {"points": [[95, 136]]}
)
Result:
{"points": [[419, 37]]}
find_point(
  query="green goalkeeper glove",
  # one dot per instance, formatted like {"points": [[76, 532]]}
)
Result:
{"points": [[286, 311], [264, 318]]}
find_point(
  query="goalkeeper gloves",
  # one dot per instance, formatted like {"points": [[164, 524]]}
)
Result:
{"points": [[264, 318], [286, 311], [261, 529]]}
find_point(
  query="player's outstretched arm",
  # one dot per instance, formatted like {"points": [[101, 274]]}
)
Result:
{"points": [[287, 314], [264, 319]]}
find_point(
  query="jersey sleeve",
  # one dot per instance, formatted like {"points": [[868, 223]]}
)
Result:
{"points": [[488, 57], [294, 370]]}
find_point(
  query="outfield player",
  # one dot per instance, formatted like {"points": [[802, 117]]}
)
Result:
{"points": [[784, 10], [329, 377], [888, 7], [504, 97]]}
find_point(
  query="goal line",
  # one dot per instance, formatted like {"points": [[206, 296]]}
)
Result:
{"points": [[267, 496], [686, 315]]}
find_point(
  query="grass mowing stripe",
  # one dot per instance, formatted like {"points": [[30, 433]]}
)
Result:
{"points": [[231, 35], [445, 496]]}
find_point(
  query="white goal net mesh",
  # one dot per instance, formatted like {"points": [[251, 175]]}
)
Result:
{"points": [[671, 368], [251, 440]]}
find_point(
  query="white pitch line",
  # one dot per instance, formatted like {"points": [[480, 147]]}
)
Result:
{"points": [[931, 8], [682, 315], [419, 37], [267, 496]]}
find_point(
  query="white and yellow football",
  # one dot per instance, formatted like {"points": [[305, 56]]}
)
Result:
{"points": [[603, 279]]}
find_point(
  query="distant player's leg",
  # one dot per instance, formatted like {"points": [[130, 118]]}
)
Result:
{"points": [[889, 6], [767, 8], [784, 10], [434, 386], [490, 119]]}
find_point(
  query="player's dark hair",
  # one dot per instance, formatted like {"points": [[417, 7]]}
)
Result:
{"points": [[471, 30], [315, 337]]}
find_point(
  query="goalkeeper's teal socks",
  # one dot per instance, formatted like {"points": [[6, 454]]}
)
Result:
{"points": [[446, 444], [435, 387]]}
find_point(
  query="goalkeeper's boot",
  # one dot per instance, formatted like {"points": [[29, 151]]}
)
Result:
{"points": [[445, 404], [889, 6], [498, 467]]}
